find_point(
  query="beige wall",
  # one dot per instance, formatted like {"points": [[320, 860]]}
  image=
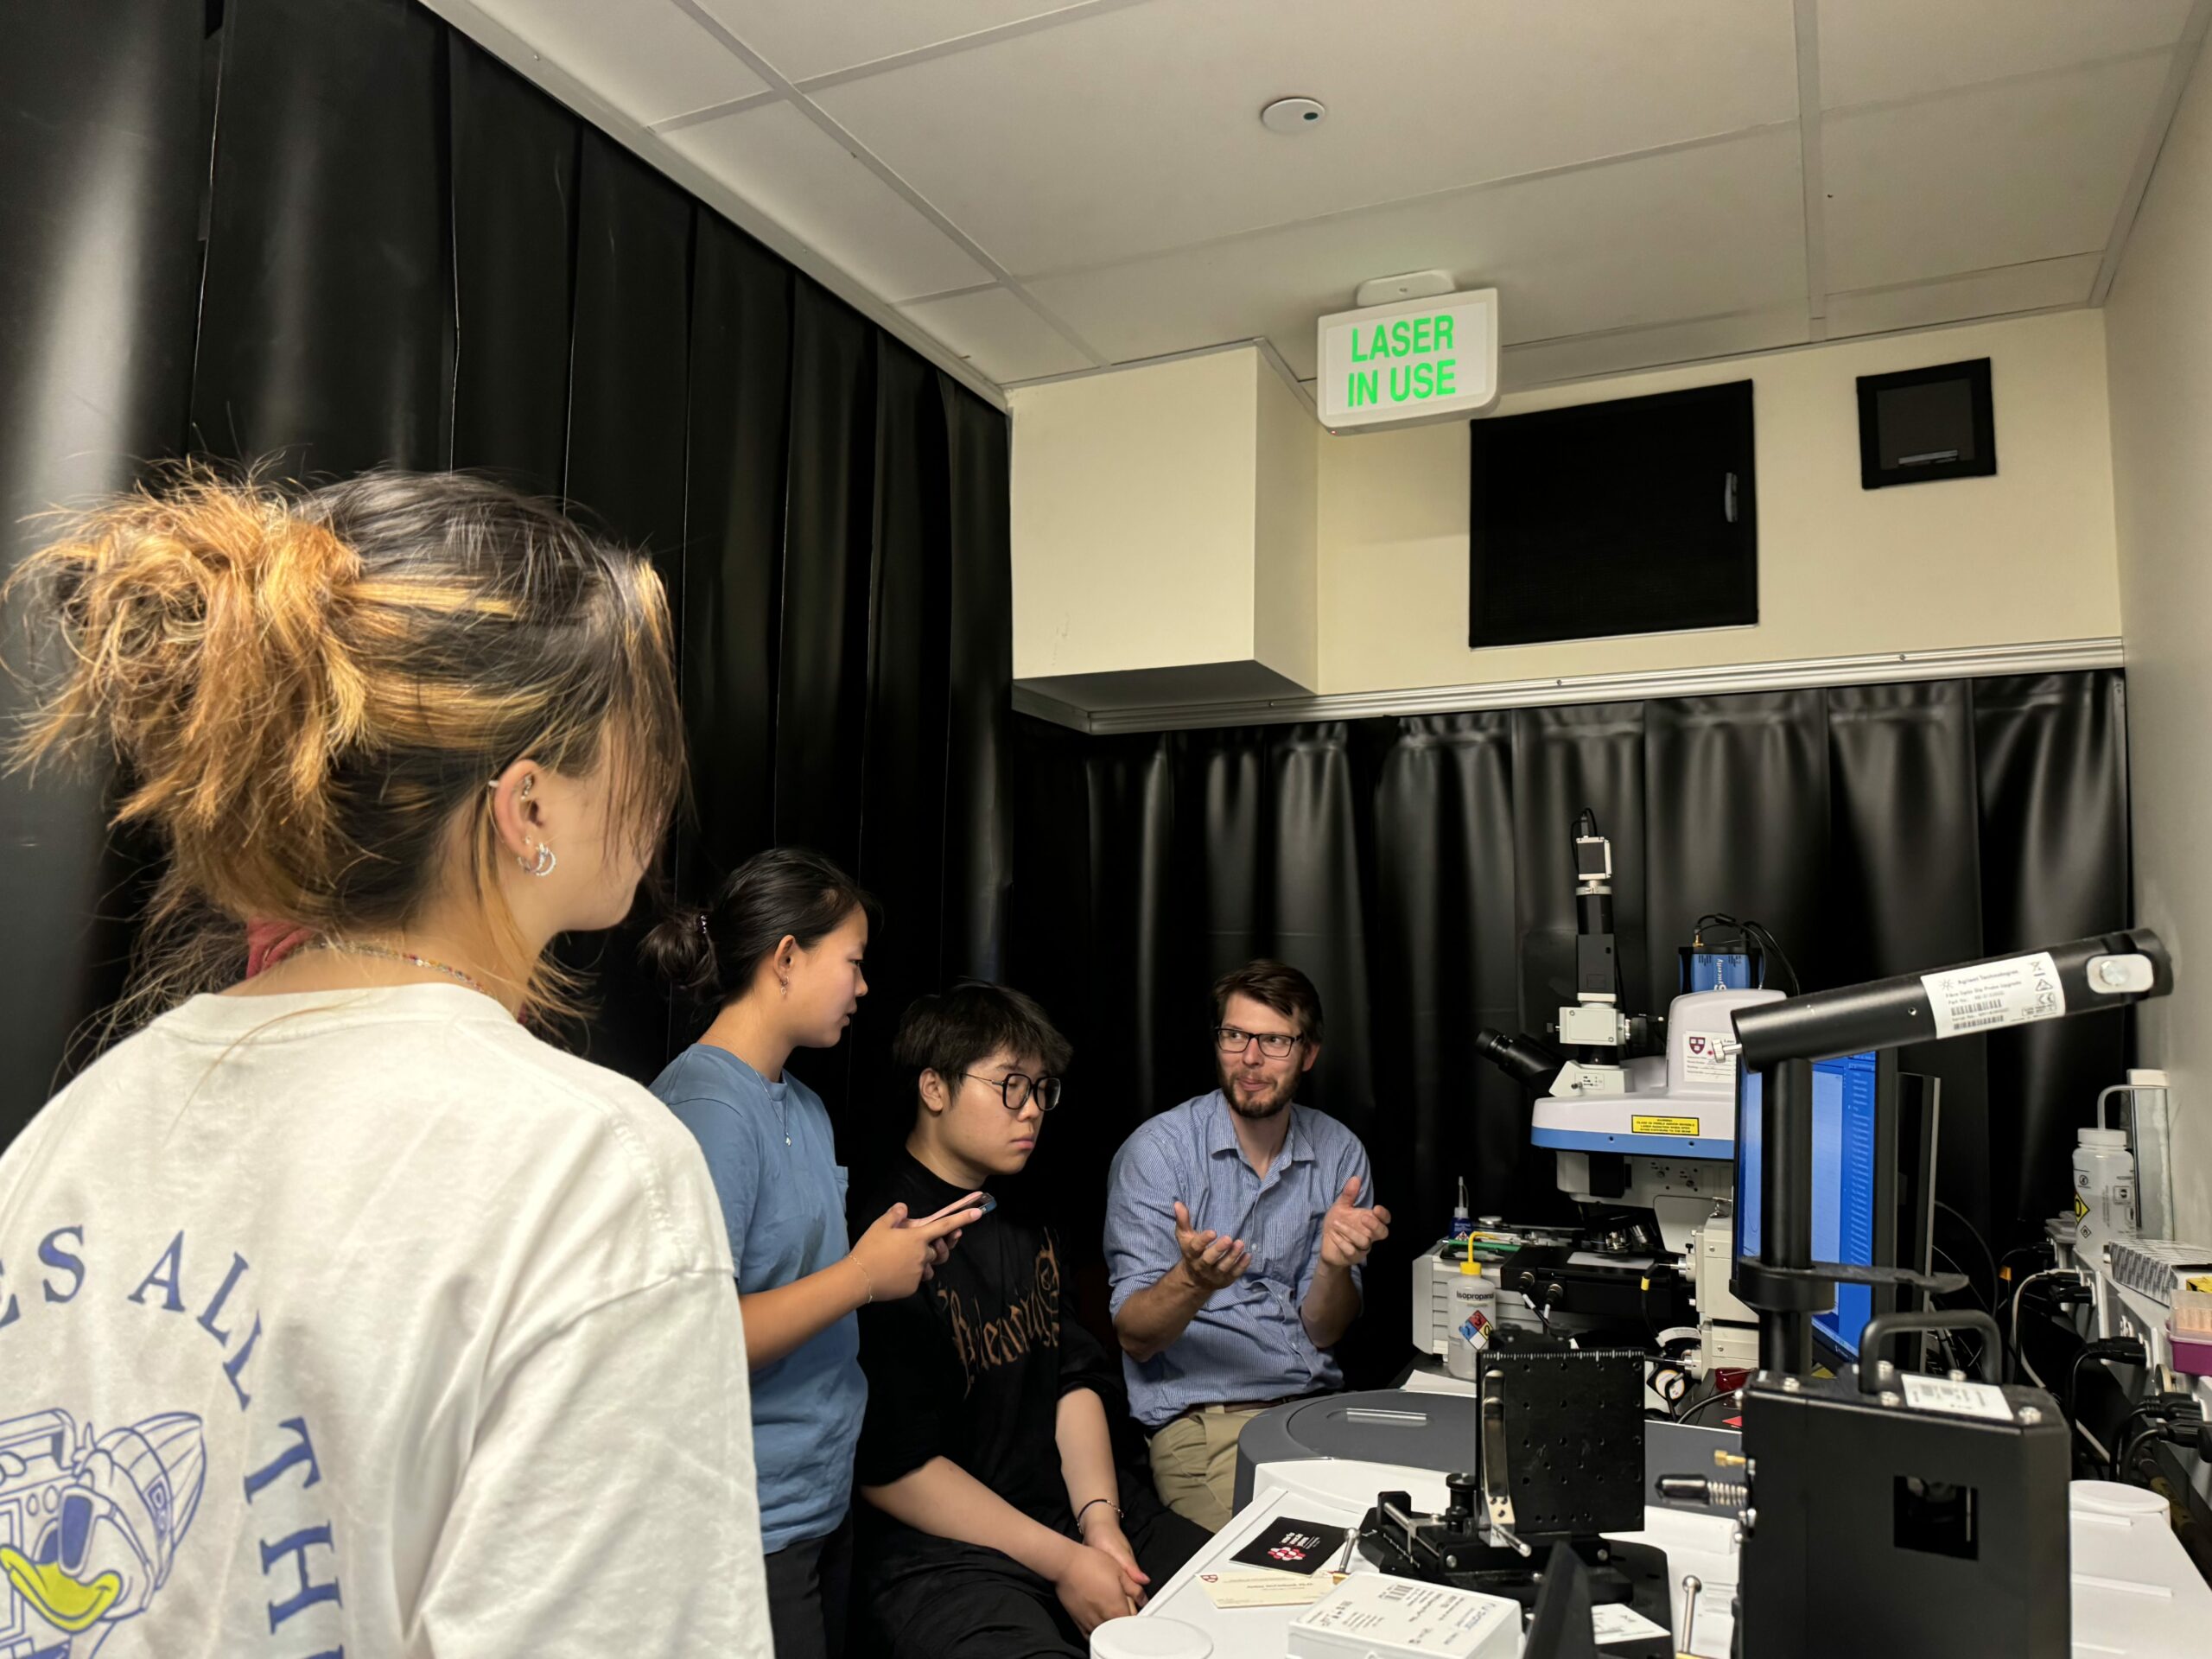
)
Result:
{"points": [[2024, 557], [1285, 632], [1128, 486], [2159, 326], [1163, 534]]}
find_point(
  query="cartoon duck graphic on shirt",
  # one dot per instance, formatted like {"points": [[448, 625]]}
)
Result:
{"points": [[89, 1527]]}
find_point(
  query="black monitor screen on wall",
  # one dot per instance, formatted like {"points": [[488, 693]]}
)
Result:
{"points": [[1920, 426], [1638, 516]]}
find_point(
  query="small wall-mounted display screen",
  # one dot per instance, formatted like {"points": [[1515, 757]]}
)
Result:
{"points": [[1925, 425]]}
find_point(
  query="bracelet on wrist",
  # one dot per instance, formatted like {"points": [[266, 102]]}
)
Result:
{"points": [[1093, 1504], [865, 1279]]}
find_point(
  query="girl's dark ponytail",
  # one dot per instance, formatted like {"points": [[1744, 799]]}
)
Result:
{"points": [[712, 954], [681, 949]]}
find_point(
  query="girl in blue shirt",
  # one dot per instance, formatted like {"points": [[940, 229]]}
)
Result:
{"points": [[778, 957]]}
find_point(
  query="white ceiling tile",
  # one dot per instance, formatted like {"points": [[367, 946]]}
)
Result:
{"points": [[1874, 49], [2046, 283], [645, 57], [1136, 128], [999, 334], [1999, 176], [1692, 233], [808, 183], [805, 38]]}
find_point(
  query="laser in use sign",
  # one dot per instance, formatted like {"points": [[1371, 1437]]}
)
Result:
{"points": [[1410, 361]]}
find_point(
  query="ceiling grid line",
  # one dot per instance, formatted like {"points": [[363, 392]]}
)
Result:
{"points": [[1993, 83], [1959, 275], [951, 293], [715, 111], [1366, 209], [1810, 169], [959, 43], [889, 176], [2185, 54]]}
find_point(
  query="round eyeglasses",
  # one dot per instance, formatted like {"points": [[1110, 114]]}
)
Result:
{"points": [[1017, 1088], [1273, 1044]]}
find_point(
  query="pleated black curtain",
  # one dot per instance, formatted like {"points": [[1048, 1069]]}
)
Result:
{"points": [[103, 125], [1419, 868], [329, 234]]}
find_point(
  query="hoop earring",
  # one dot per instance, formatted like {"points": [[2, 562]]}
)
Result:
{"points": [[543, 865]]}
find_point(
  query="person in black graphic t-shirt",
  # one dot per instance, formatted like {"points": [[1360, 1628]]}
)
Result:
{"points": [[1000, 1523]]}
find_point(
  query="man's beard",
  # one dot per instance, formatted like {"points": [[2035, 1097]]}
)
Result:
{"points": [[1275, 1105]]}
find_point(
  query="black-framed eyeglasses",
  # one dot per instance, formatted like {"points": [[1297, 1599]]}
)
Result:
{"points": [[1273, 1044], [1017, 1088]]}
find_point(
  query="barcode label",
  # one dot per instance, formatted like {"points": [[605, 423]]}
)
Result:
{"points": [[1956, 1399], [1991, 994]]}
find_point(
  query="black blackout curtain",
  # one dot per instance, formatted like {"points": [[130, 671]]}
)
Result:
{"points": [[335, 232], [1418, 869]]}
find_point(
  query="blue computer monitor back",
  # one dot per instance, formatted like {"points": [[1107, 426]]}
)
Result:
{"points": [[1847, 1183]]}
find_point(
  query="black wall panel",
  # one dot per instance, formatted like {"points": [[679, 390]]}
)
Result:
{"points": [[515, 160], [2052, 752], [1737, 818], [103, 171], [326, 324], [1565, 759], [630, 352], [733, 554], [829, 534], [902, 804], [1905, 885], [981, 802]]}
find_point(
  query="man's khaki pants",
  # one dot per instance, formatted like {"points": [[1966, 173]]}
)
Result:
{"points": [[1194, 1463]]}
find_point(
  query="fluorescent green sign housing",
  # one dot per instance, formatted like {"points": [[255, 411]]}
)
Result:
{"points": [[1407, 362]]}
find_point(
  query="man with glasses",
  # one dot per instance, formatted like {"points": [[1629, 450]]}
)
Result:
{"points": [[1000, 1524], [1236, 1225]]}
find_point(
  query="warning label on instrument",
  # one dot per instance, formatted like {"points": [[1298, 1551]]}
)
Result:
{"points": [[1993, 994], [1957, 1399], [1663, 1125]]}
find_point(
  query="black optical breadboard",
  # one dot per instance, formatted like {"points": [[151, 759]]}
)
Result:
{"points": [[1573, 1440]]}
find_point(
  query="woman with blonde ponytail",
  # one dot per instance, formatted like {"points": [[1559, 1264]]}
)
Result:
{"points": [[336, 1310]]}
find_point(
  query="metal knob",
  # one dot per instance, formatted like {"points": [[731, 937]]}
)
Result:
{"points": [[1687, 1623]]}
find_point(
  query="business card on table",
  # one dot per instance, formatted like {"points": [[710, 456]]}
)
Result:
{"points": [[1267, 1588], [1293, 1545], [1612, 1621]]}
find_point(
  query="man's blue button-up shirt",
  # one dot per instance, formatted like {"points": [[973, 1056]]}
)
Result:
{"points": [[1248, 1342]]}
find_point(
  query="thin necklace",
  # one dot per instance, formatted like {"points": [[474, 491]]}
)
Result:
{"points": [[360, 948]]}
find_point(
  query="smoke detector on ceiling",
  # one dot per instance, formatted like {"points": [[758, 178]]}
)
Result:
{"points": [[1293, 114]]}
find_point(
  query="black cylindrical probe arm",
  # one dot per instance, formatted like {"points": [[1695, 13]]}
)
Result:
{"points": [[2108, 971], [1778, 1040]]}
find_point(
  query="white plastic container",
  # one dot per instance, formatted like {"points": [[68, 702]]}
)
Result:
{"points": [[2104, 1180], [1474, 1315], [1149, 1638], [1370, 1616]]}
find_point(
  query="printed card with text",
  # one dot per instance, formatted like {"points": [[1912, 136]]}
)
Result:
{"points": [[1293, 1546]]}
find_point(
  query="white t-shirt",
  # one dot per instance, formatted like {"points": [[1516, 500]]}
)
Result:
{"points": [[366, 1320]]}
